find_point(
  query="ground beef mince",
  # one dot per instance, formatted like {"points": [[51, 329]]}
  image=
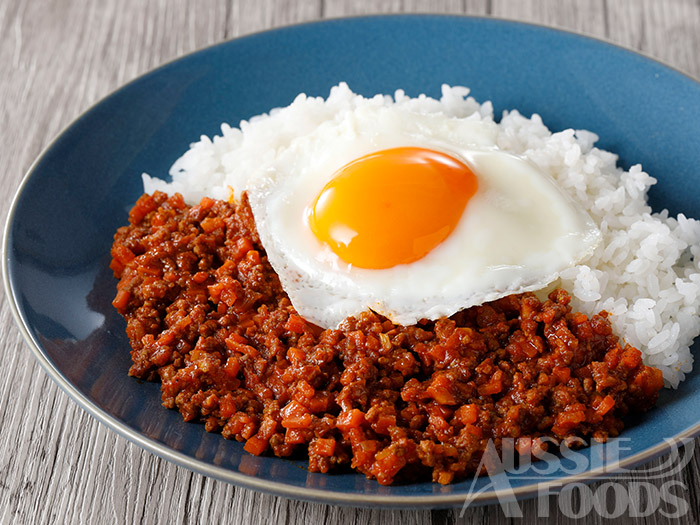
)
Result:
{"points": [[206, 316]]}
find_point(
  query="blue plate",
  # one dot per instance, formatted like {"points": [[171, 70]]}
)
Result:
{"points": [[59, 231]]}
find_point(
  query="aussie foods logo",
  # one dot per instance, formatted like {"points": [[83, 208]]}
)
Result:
{"points": [[557, 468]]}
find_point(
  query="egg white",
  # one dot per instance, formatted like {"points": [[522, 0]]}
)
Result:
{"points": [[517, 234]]}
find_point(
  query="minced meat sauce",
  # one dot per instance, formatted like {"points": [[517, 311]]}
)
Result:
{"points": [[206, 316]]}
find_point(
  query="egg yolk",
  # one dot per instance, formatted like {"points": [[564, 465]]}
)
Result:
{"points": [[392, 207]]}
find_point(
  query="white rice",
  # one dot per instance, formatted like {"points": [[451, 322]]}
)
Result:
{"points": [[646, 271]]}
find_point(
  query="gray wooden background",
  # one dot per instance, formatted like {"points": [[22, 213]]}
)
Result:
{"points": [[58, 57]]}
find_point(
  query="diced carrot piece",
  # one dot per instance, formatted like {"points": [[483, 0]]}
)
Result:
{"points": [[650, 380], [631, 358], [523, 445], [200, 277], [249, 430], [228, 295], [349, 419], [212, 223], [441, 395], [612, 358], [319, 403], [211, 401], [372, 343], [122, 254], [148, 270], [295, 415], [232, 367], [238, 338], [227, 406], [159, 219], [381, 426], [439, 390], [121, 300], [445, 477], [566, 421], [215, 292], [161, 355], [255, 446], [235, 346], [206, 203], [605, 405], [288, 375], [225, 269], [579, 318], [386, 465], [467, 414], [183, 322], [177, 201], [253, 256], [437, 352], [365, 451], [295, 324], [323, 446], [243, 246], [302, 421], [294, 436], [166, 338], [493, 386], [143, 207], [295, 355], [474, 431], [293, 408], [116, 267], [561, 373], [438, 422], [305, 389]]}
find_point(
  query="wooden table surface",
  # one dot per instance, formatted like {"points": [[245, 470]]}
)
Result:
{"points": [[57, 58]]}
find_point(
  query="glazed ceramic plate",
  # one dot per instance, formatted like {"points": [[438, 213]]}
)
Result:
{"points": [[60, 229]]}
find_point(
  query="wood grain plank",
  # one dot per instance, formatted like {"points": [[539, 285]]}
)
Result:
{"points": [[665, 30], [336, 8], [583, 16], [435, 6], [57, 464], [50, 76], [249, 16]]}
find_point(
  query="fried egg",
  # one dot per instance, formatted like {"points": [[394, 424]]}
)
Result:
{"points": [[411, 215]]}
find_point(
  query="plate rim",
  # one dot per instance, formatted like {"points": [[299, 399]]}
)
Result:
{"points": [[271, 486]]}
